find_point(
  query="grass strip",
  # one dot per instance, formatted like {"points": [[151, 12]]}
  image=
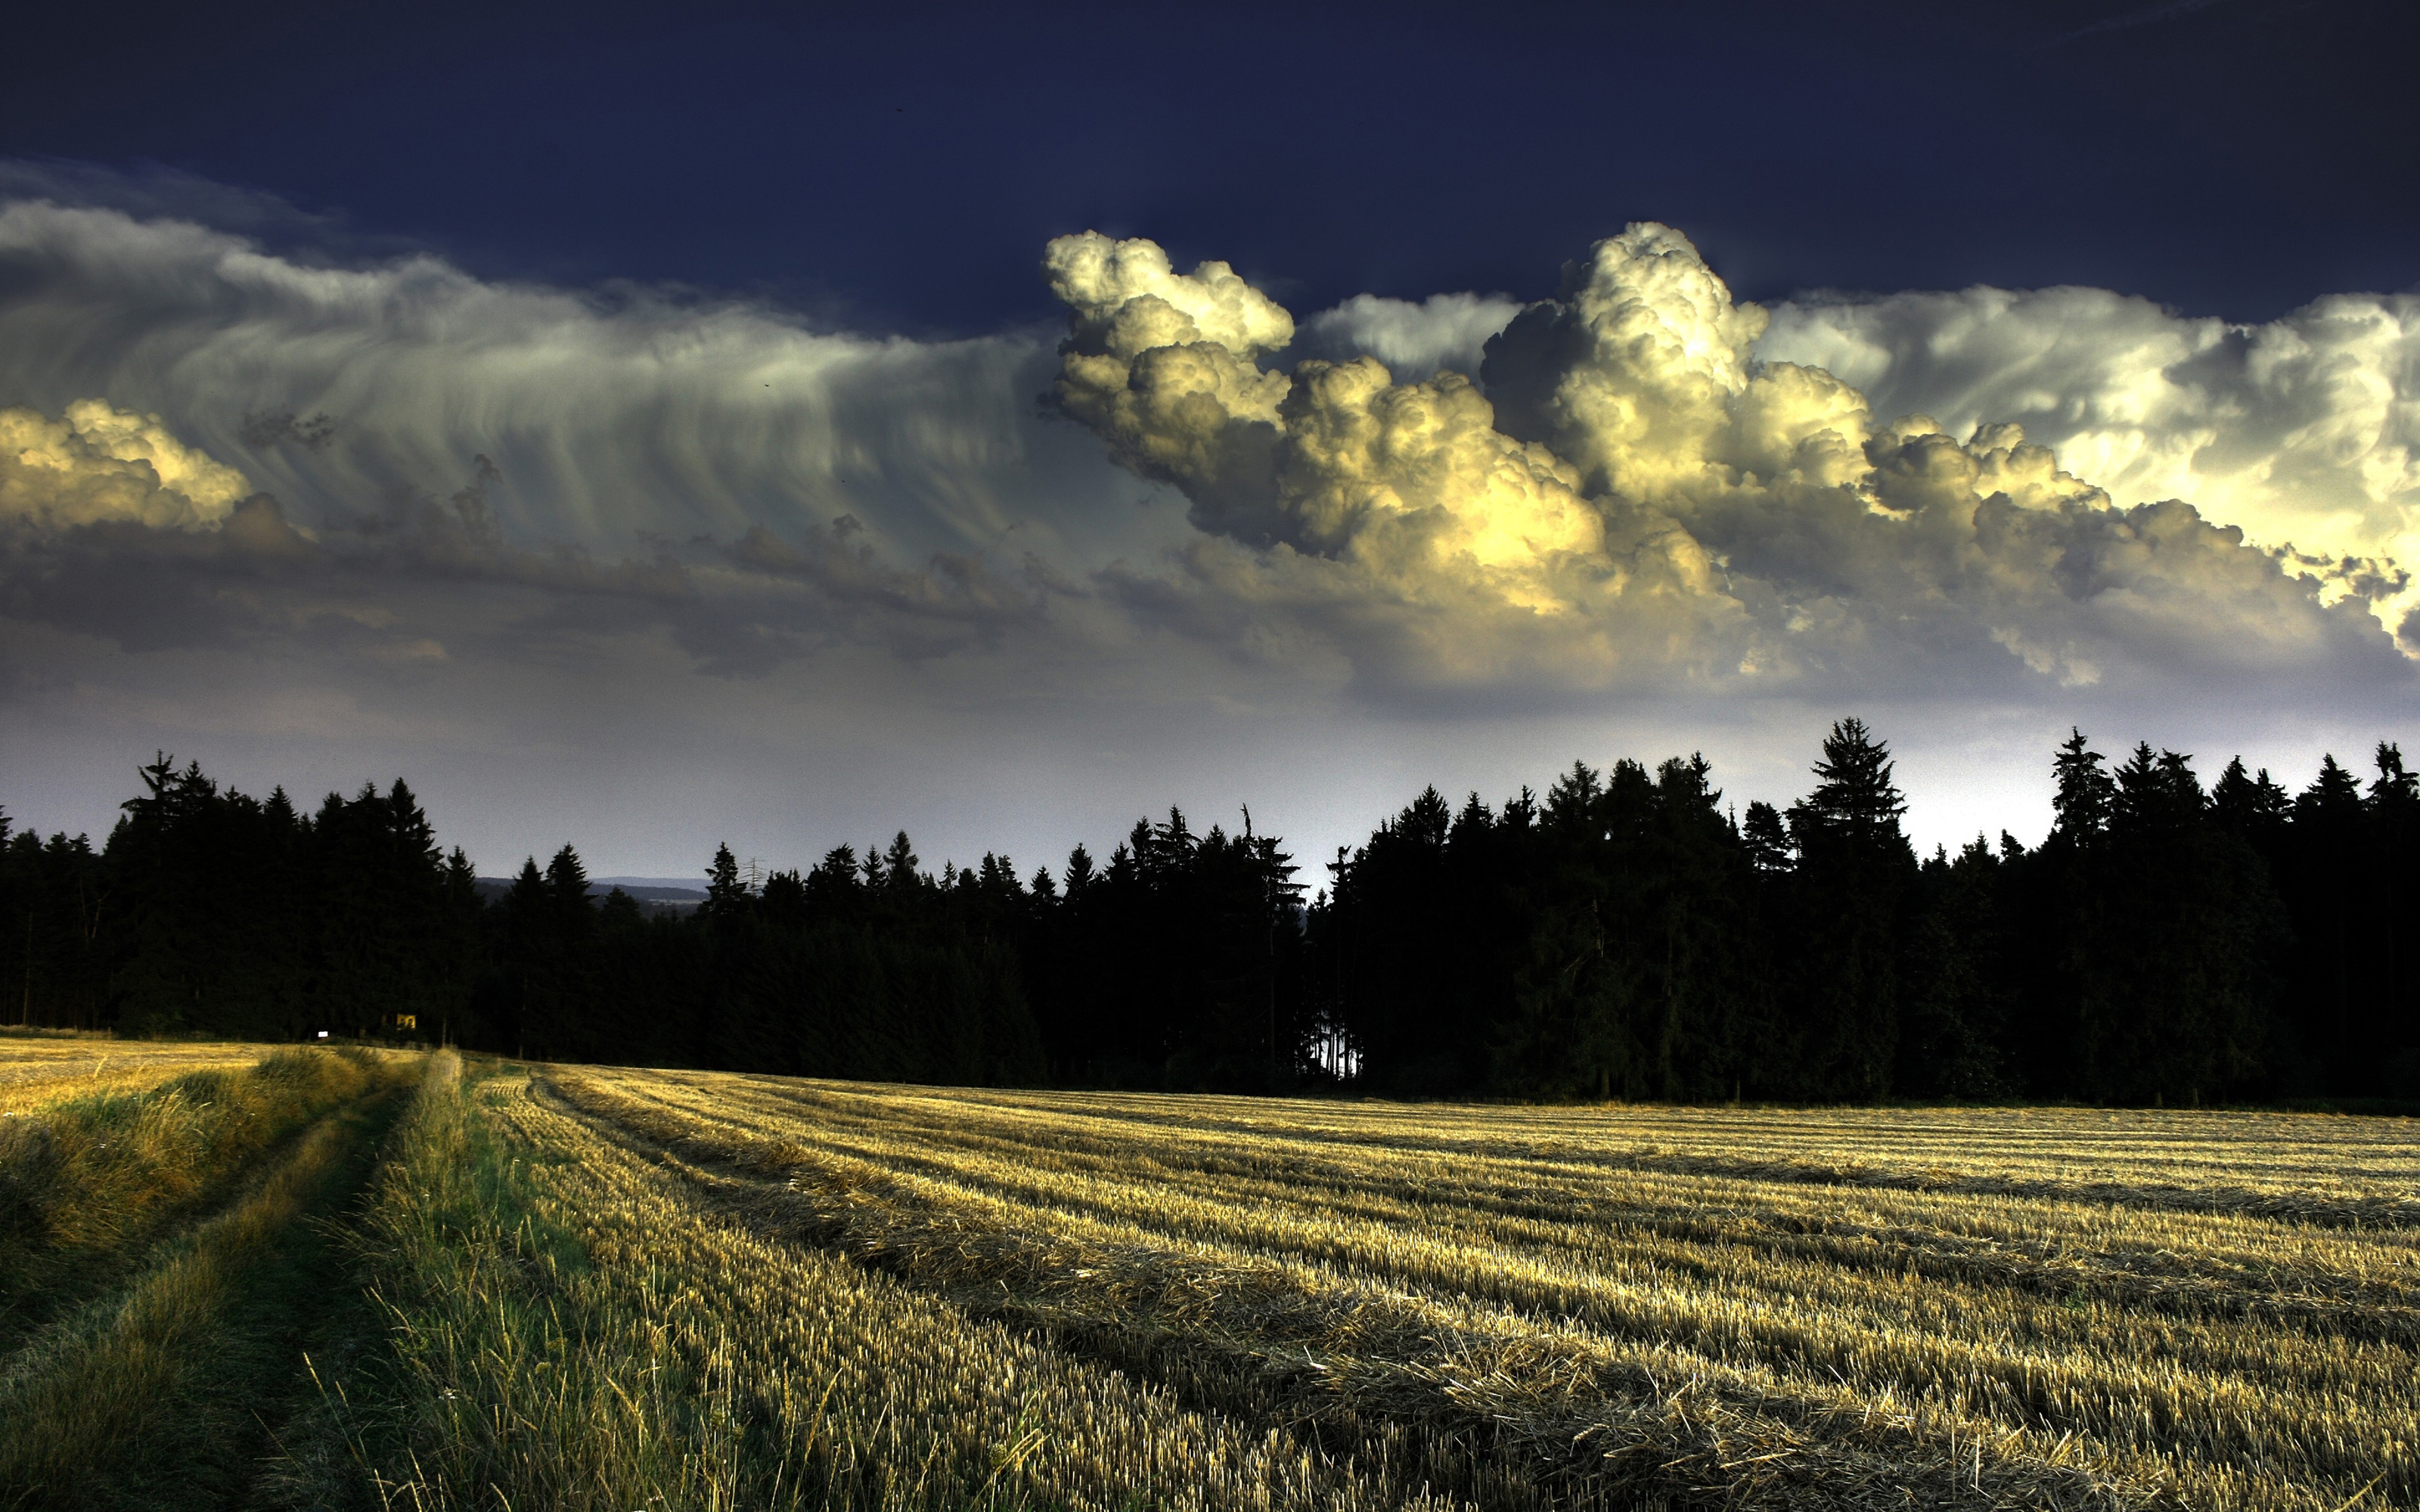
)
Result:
{"points": [[152, 1396], [513, 1378], [89, 1183]]}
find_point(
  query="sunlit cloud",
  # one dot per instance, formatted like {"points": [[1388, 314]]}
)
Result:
{"points": [[1641, 493], [95, 463], [2303, 431]]}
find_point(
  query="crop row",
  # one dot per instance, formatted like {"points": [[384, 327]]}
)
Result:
{"points": [[1623, 1330]]}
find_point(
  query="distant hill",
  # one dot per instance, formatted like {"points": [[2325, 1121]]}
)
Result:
{"points": [[688, 889], [674, 894]]}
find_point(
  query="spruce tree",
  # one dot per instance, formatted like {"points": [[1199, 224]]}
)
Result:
{"points": [[727, 896], [1855, 876]]}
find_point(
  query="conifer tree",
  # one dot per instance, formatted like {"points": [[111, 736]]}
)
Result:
{"points": [[2085, 792], [1855, 876], [1767, 839], [727, 896]]}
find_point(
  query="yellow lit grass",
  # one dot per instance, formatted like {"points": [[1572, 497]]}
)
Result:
{"points": [[578, 1331], [144, 1397], [92, 1176], [38, 1069], [2176, 1352]]}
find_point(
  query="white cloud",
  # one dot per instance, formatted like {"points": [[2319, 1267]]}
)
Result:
{"points": [[2303, 431], [1442, 334], [1637, 496]]}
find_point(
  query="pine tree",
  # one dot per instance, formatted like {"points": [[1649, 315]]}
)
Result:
{"points": [[899, 864], [1767, 840], [2327, 872], [2255, 807], [1855, 876], [1956, 992], [2086, 794], [727, 896], [2393, 813]]}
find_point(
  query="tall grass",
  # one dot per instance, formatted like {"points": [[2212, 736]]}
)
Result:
{"points": [[148, 1394], [516, 1380], [87, 1183]]}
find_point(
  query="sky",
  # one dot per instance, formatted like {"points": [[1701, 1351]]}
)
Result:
{"points": [[785, 426]]}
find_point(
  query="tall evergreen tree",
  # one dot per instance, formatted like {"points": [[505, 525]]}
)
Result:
{"points": [[1853, 885]]}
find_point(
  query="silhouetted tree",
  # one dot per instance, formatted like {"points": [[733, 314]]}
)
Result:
{"points": [[1853, 885]]}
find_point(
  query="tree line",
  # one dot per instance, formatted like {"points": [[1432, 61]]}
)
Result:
{"points": [[1626, 935]]}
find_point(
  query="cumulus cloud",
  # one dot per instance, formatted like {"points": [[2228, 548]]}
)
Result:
{"points": [[2303, 431], [96, 463], [1639, 494], [1388, 508]]}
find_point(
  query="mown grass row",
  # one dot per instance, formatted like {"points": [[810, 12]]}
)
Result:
{"points": [[385, 1282], [2312, 1169], [574, 1329], [2234, 1391], [1511, 1409], [2142, 1252]]}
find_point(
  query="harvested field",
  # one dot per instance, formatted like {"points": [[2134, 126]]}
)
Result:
{"points": [[590, 1287], [38, 1069], [1622, 1307]]}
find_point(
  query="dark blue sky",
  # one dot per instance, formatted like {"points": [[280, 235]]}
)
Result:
{"points": [[900, 173]]}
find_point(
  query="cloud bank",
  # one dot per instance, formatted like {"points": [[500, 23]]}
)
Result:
{"points": [[2303, 431], [251, 490], [1636, 492], [757, 488]]}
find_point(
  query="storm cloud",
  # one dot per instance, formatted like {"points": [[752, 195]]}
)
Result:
{"points": [[1636, 492], [379, 503]]}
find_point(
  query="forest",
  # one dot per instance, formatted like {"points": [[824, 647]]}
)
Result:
{"points": [[1623, 935]]}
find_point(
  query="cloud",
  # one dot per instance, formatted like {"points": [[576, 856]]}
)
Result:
{"points": [[95, 549], [645, 561], [1444, 332], [1641, 495], [96, 463], [1633, 492], [2303, 431], [581, 465], [612, 417]]}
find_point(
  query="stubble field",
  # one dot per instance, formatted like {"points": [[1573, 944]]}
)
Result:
{"points": [[585, 1286]]}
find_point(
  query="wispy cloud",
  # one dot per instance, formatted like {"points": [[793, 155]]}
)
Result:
{"points": [[1188, 532]]}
